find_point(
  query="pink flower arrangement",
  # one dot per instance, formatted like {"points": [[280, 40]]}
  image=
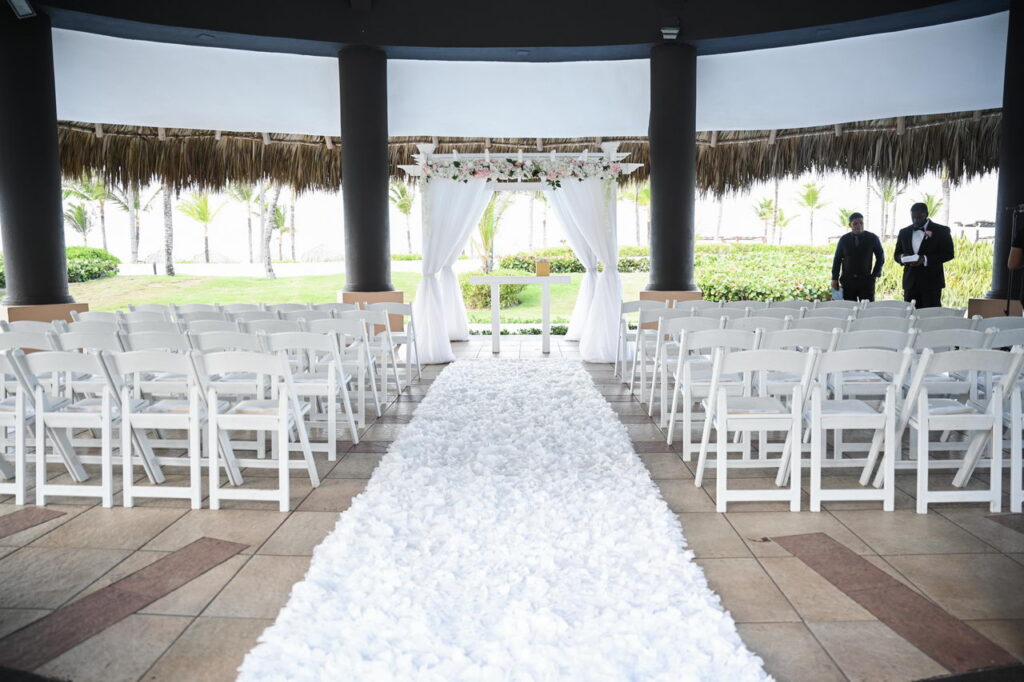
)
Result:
{"points": [[482, 173]]}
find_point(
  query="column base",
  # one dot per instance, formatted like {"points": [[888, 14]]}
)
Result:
{"points": [[41, 313], [992, 307], [397, 321]]}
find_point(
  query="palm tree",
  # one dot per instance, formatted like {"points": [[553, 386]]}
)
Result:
{"points": [[888, 191], [168, 231], [641, 199], [401, 197], [197, 207], [718, 221], [543, 199], [268, 228], [93, 190], [765, 211], [945, 193], [129, 200], [488, 228], [932, 202], [810, 199], [245, 194], [281, 227], [77, 216], [291, 230], [783, 221], [843, 217]]}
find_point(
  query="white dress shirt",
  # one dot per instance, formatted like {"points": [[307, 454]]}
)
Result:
{"points": [[917, 238]]}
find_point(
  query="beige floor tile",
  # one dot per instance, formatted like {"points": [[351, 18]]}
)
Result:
{"points": [[334, 494], [35, 532], [234, 525], [757, 529], [665, 465], [870, 650], [46, 577], [15, 619], [747, 591], [976, 522], [260, 589], [211, 650], [906, 532], [682, 495], [356, 465], [123, 651], [115, 528], [813, 597], [300, 533], [790, 652], [644, 432], [1008, 634], [711, 536], [968, 586]]}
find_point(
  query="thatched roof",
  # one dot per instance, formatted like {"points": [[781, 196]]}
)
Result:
{"points": [[899, 149]]}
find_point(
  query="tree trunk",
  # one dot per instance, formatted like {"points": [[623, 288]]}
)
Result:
{"points": [[636, 212], [206, 243], [544, 228], [291, 213], [945, 195], [168, 233], [894, 203], [718, 222], [85, 239], [103, 223], [248, 224], [133, 222], [867, 199], [776, 232], [529, 240], [812, 228], [268, 266], [408, 233]]}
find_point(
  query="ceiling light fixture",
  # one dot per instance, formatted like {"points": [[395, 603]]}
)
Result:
{"points": [[22, 8], [670, 28]]}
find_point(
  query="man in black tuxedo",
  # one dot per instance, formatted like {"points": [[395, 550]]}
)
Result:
{"points": [[922, 248]]}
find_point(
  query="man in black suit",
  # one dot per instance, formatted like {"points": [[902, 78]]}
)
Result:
{"points": [[922, 248], [852, 266]]}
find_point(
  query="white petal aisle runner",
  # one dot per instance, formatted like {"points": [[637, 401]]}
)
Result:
{"points": [[510, 533]]}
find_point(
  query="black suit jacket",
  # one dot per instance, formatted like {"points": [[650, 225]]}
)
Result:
{"points": [[938, 249]]}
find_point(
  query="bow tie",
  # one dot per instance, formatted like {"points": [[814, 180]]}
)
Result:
{"points": [[922, 228]]}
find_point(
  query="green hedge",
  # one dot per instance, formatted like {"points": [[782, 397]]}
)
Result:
{"points": [[84, 264], [478, 296]]}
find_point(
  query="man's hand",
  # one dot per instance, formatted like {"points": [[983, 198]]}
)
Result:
{"points": [[915, 264], [835, 284]]}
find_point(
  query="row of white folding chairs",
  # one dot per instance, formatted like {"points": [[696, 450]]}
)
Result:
{"points": [[193, 400], [749, 390]]}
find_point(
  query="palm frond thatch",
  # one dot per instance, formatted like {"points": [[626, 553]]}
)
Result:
{"points": [[966, 143]]}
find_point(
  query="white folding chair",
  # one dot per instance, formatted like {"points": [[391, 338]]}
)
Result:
{"points": [[91, 327], [164, 311], [1001, 323], [872, 305], [94, 316], [204, 326], [694, 304], [800, 339], [330, 383], [838, 313], [720, 313], [927, 313], [747, 413], [886, 311], [201, 315], [271, 326], [193, 308], [627, 337], [143, 316], [406, 338], [768, 324], [283, 307], [334, 307], [381, 346], [781, 313], [355, 358], [31, 326], [235, 308], [946, 323], [895, 324], [246, 316], [281, 414], [670, 326], [746, 305], [306, 315], [822, 324], [16, 418], [849, 306], [839, 413], [150, 328], [647, 341], [791, 305]]}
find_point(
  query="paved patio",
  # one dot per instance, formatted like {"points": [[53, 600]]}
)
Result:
{"points": [[959, 558]]}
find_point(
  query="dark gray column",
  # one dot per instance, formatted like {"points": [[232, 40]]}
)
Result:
{"points": [[672, 135], [364, 167], [1011, 152], [31, 215]]}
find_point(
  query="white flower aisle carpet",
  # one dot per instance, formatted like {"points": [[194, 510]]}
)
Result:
{"points": [[510, 533]]}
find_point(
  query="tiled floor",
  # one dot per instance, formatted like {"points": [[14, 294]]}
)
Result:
{"points": [[804, 626]]}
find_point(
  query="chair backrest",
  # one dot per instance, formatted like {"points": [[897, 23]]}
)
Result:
{"points": [[254, 315], [825, 324], [284, 307], [204, 326], [143, 316], [930, 324], [650, 317], [346, 329], [630, 307], [833, 304], [791, 304], [948, 339], [926, 313], [710, 339], [151, 328], [30, 366], [169, 341], [764, 323], [392, 307], [193, 308], [898, 324], [836, 313], [766, 361], [695, 304], [215, 341], [202, 315], [269, 365], [975, 360], [92, 327], [1008, 338], [306, 344], [883, 304], [781, 313], [895, 363], [719, 313], [743, 305], [799, 339], [271, 326], [886, 311], [123, 368], [675, 325], [108, 341], [34, 326], [882, 339], [336, 307], [94, 316], [164, 310], [306, 315], [1001, 323], [233, 308], [27, 340]]}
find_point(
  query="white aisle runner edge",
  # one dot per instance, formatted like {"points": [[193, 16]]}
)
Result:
{"points": [[510, 533]]}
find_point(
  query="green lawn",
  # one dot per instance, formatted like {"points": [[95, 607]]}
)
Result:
{"points": [[115, 293]]}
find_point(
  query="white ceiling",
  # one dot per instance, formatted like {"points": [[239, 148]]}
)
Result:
{"points": [[949, 67]]}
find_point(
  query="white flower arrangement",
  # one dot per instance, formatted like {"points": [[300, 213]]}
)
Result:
{"points": [[511, 170]]}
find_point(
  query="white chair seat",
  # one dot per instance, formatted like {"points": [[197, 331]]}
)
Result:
{"points": [[94, 405], [863, 378], [177, 406], [756, 405], [844, 407], [7, 407], [263, 407], [942, 406]]}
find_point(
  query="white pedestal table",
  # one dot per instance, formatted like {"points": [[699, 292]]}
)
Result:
{"points": [[497, 280]]}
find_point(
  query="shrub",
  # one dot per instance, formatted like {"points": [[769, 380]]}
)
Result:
{"points": [[479, 295], [84, 263]]}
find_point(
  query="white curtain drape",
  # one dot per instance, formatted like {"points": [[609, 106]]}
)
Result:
{"points": [[586, 211], [450, 212]]}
